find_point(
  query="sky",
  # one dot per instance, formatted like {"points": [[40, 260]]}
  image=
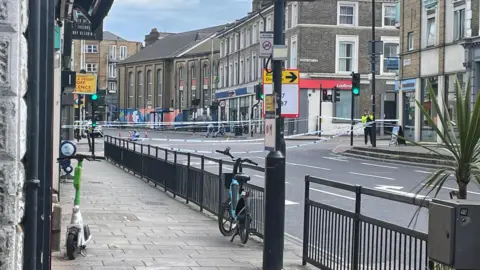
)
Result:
{"points": [[133, 19]]}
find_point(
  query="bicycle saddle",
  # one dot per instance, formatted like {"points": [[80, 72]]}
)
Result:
{"points": [[242, 178]]}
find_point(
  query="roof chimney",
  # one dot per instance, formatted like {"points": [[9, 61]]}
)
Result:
{"points": [[152, 37]]}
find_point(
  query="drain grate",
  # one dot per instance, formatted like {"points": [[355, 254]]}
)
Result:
{"points": [[108, 216]]}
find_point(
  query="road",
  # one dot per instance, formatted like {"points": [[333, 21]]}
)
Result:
{"points": [[317, 159]]}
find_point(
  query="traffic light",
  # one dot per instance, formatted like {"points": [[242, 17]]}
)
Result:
{"points": [[337, 95], [356, 83], [325, 95], [93, 99], [258, 92]]}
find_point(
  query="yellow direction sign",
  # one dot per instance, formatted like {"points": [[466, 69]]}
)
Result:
{"points": [[289, 76], [86, 84]]}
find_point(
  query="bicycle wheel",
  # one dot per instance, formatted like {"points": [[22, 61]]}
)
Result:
{"points": [[226, 224], [244, 228]]}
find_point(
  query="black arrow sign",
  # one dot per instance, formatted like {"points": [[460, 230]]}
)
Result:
{"points": [[293, 77]]}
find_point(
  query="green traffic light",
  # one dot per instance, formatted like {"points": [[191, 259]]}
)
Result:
{"points": [[94, 97], [356, 91]]}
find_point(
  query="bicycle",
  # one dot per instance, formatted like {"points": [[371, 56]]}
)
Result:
{"points": [[235, 209], [78, 234]]}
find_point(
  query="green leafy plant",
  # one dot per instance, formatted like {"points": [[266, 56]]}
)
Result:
{"points": [[463, 150]]}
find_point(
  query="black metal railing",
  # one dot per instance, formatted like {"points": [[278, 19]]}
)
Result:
{"points": [[187, 180], [338, 239]]}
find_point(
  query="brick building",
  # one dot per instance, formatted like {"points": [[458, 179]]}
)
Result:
{"points": [[101, 58], [160, 82], [327, 40], [432, 35]]}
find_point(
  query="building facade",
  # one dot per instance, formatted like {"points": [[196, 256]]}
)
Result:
{"points": [[327, 41], [439, 44], [101, 58], [170, 79]]}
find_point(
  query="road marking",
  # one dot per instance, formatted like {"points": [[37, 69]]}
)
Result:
{"points": [[333, 194], [382, 166], [422, 172], [336, 159], [456, 189], [397, 190], [376, 176], [308, 166], [287, 202], [259, 176]]}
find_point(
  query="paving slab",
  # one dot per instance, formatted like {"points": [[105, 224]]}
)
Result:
{"points": [[136, 226]]}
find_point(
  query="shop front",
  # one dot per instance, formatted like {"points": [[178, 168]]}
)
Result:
{"points": [[407, 88], [333, 115], [235, 105]]}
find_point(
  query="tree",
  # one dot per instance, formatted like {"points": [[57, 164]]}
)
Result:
{"points": [[464, 150]]}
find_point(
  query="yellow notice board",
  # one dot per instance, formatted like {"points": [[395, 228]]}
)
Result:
{"points": [[86, 84], [289, 76]]}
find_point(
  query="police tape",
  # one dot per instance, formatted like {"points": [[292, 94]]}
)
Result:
{"points": [[187, 124], [320, 140], [356, 127]]}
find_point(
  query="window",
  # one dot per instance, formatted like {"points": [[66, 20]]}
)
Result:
{"points": [[293, 52], [390, 58], [123, 52], [205, 70], [112, 52], [91, 67], [91, 48], [343, 107], [236, 42], [242, 39], [288, 21], [459, 24], [254, 67], [112, 87], [431, 31], [193, 72], [225, 75], [140, 97], [159, 88], [389, 12], [221, 49], [112, 71], [149, 88], [248, 37], [225, 51], [235, 72], [346, 54], [242, 77], [260, 67], [294, 14], [222, 78], [230, 74], [254, 34], [247, 70], [262, 26], [180, 73], [410, 41], [231, 45], [347, 13], [131, 91], [269, 23]]}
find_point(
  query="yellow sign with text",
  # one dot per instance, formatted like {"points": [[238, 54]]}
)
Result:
{"points": [[289, 76], [86, 84]]}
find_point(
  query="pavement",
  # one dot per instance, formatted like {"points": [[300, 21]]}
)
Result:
{"points": [[136, 226], [321, 159]]}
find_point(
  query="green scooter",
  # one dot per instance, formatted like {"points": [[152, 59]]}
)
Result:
{"points": [[78, 233]]}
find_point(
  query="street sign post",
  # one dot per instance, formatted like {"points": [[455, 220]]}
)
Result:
{"points": [[290, 91], [86, 84], [266, 44], [270, 122]]}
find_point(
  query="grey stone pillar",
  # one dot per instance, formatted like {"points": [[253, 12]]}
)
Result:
{"points": [[13, 114]]}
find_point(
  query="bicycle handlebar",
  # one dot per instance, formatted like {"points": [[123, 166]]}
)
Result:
{"points": [[81, 157], [227, 153]]}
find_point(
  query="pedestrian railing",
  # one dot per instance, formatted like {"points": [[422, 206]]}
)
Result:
{"points": [[187, 180], [338, 239]]}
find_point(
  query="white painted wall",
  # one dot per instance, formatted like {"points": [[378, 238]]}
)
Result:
{"points": [[454, 58], [313, 109], [430, 62]]}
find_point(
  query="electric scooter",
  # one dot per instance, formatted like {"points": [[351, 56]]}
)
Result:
{"points": [[78, 233]]}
